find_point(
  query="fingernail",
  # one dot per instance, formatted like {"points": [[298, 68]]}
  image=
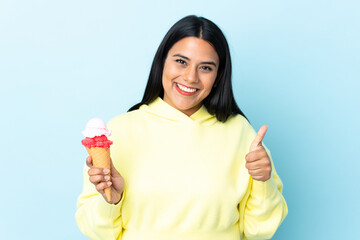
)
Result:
{"points": [[106, 178], [106, 171], [108, 183]]}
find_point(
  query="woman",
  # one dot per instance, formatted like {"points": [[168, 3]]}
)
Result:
{"points": [[186, 162]]}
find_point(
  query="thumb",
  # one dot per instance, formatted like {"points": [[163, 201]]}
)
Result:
{"points": [[259, 137], [113, 170]]}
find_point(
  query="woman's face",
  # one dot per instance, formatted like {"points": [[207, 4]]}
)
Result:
{"points": [[189, 74]]}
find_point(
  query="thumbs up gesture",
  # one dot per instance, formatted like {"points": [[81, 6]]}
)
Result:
{"points": [[257, 160]]}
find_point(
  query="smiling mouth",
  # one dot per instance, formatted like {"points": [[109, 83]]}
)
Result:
{"points": [[186, 89]]}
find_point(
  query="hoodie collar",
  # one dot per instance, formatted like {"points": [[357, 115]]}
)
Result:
{"points": [[162, 109]]}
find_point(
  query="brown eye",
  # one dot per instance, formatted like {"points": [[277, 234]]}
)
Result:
{"points": [[180, 61], [206, 68]]}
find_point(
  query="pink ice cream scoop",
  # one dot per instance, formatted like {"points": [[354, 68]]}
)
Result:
{"points": [[96, 127]]}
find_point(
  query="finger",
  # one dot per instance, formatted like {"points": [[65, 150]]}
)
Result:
{"points": [[253, 166], [98, 171], [256, 155], [259, 137], [113, 170], [255, 172], [262, 163], [89, 162], [258, 178], [96, 179], [101, 186]]}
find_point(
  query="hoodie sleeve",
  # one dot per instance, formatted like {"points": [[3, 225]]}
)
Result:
{"points": [[263, 207], [96, 218]]}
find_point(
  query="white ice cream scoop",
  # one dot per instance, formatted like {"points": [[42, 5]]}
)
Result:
{"points": [[96, 127]]}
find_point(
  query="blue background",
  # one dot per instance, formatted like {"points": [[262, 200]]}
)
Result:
{"points": [[296, 68]]}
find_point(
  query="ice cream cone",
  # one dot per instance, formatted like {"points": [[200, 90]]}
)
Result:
{"points": [[101, 159]]}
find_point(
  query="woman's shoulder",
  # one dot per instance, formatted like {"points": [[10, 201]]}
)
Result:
{"points": [[241, 125], [237, 119], [124, 119]]}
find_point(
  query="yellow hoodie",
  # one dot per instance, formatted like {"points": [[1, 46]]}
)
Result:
{"points": [[185, 179]]}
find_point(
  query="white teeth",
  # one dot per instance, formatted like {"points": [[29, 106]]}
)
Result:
{"points": [[186, 89]]}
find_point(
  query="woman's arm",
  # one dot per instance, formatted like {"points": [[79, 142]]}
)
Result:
{"points": [[96, 218], [263, 208]]}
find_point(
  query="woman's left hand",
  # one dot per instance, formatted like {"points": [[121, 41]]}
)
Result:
{"points": [[257, 160]]}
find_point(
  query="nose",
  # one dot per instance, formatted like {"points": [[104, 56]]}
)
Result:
{"points": [[190, 74]]}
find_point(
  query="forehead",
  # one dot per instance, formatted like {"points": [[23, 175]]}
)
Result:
{"points": [[194, 48]]}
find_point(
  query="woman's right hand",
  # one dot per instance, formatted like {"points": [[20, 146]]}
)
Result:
{"points": [[99, 177]]}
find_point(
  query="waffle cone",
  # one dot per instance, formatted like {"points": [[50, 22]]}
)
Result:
{"points": [[101, 159]]}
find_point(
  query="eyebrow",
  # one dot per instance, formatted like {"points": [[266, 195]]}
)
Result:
{"points": [[182, 56]]}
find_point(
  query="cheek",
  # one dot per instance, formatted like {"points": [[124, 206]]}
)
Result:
{"points": [[209, 83], [170, 71]]}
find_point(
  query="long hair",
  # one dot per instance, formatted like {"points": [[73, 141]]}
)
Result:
{"points": [[220, 101]]}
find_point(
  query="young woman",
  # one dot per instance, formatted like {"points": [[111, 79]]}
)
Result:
{"points": [[186, 163]]}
